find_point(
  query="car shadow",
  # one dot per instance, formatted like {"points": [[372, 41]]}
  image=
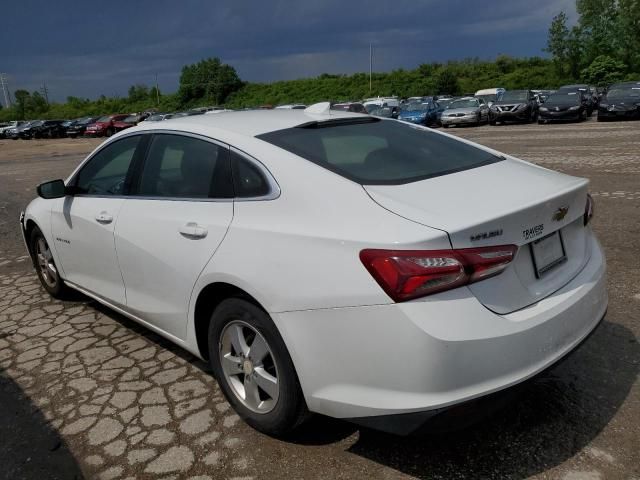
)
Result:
{"points": [[553, 417], [29, 447], [545, 422]]}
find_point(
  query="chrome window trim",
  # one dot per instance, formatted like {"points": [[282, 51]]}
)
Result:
{"points": [[274, 188]]}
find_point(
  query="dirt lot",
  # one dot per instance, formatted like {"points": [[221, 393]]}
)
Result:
{"points": [[85, 392]]}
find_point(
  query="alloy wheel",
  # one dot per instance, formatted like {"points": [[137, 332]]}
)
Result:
{"points": [[249, 366], [46, 265]]}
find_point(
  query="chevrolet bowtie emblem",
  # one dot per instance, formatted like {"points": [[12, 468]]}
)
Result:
{"points": [[560, 213]]}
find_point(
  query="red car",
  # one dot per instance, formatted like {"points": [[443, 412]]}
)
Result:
{"points": [[104, 126], [130, 121]]}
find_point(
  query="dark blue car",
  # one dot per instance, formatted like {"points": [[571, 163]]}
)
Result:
{"points": [[423, 113]]}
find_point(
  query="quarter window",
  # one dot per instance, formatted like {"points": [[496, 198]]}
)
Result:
{"points": [[106, 171], [248, 179], [178, 166]]}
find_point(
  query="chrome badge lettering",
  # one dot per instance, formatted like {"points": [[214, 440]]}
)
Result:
{"points": [[486, 235], [532, 232]]}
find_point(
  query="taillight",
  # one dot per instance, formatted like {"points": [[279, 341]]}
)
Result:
{"points": [[407, 274], [588, 210]]}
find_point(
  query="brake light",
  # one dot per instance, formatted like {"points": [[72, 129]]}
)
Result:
{"points": [[588, 210], [408, 274]]}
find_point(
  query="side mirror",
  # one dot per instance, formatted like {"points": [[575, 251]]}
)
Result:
{"points": [[52, 189]]}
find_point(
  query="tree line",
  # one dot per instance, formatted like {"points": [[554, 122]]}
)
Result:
{"points": [[601, 48]]}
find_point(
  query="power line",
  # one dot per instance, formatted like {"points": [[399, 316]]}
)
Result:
{"points": [[45, 92]]}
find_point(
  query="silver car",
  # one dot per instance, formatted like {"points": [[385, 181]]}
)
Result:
{"points": [[467, 110]]}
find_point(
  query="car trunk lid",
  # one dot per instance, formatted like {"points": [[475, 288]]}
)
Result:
{"points": [[509, 202]]}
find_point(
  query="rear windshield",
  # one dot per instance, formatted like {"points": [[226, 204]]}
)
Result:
{"points": [[379, 152]]}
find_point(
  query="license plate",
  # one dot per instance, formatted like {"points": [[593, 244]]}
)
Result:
{"points": [[547, 253]]}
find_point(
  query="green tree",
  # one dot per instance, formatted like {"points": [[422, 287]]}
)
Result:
{"points": [[447, 82], [603, 71], [22, 99], [138, 93], [208, 80], [558, 41]]}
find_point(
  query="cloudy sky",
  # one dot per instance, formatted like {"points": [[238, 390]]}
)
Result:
{"points": [[86, 48]]}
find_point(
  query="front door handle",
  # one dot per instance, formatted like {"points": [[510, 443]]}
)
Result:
{"points": [[104, 217], [193, 230]]}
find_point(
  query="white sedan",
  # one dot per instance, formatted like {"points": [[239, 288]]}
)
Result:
{"points": [[328, 262]]}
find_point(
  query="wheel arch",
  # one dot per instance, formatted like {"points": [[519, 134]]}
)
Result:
{"points": [[208, 299]]}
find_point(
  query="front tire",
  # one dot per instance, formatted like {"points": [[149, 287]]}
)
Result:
{"points": [[45, 265], [253, 368]]}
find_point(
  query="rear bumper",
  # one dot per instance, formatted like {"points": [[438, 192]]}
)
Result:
{"points": [[427, 355]]}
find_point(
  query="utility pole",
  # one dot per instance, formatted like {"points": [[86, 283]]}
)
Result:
{"points": [[5, 90], [45, 92], [157, 92], [370, 65]]}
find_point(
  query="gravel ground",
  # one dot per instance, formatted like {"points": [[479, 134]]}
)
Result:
{"points": [[86, 393]]}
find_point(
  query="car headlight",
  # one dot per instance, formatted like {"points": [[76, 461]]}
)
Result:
{"points": [[576, 107]]}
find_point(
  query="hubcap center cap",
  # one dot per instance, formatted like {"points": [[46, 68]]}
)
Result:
{"points": [[247, 367]]}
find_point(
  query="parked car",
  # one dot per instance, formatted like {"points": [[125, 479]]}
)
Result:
{"points": [[158, 117], [621, 101], [4, 130], [14, 133], [188, 113], [384, 112], [490, 95], [128, 122], [381, 102], [103, 126], [48, 129], [79, 125], [514, 106], [26, 132], [355, 107], [589, 95], [563, 106], [294, 106], [424, 113], [491, 288], [465, 111]]}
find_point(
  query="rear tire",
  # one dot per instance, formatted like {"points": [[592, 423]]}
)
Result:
{"points": [[46, 268], [109, 132], [237, 324]]}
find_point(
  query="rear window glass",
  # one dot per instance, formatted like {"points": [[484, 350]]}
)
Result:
{"points": [[379, 152]]}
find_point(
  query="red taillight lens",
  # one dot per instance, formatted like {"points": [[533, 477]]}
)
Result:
{"points": [[407, 274], [588, 210]]}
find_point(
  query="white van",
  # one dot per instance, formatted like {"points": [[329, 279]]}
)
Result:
{"points": [[490, 95]]}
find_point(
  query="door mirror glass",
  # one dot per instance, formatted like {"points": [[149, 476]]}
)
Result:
{"points": [[52, 189]]}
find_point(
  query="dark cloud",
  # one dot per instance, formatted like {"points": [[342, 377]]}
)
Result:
{"points": [[90, 48]]}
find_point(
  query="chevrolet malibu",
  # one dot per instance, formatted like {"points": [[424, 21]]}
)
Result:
{"points": [[329, 262]]}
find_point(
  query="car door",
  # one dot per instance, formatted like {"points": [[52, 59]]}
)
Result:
{"points": [[83, 224], [169, 229]]}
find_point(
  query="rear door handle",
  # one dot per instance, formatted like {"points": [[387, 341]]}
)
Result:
{"points": [[104, 217], [193, 230]]}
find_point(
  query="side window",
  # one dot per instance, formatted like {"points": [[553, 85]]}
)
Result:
{"points": [[185, 167], [247, 178], [107, 170]]}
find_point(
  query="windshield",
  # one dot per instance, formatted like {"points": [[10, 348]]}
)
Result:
{"points": [[379, 152], [131, 119], [37, 123], [515, 96], [415, 107], [617, 93], [104, 119], [463, 103], [488, 98], [155, 118], [84, 120], [564, 99]]}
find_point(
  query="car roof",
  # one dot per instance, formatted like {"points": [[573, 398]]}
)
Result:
{"points": [[247, 123]]}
